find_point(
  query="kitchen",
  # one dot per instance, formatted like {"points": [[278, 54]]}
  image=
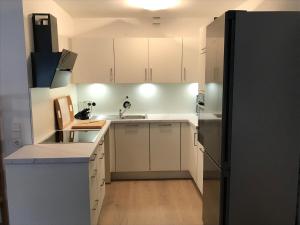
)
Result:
{"points": [[145, 79]]}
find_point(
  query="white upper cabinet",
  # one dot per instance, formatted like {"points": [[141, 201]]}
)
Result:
{"points": [[131, 60], [139, 60], [191, 62], [95, 60], [202, 57], [165, 58]]}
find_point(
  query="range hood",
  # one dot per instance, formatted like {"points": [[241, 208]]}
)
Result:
{"points": [[50, 68]]}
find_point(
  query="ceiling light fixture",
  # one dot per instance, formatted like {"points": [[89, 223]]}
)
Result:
{"points": [[153, 5]]}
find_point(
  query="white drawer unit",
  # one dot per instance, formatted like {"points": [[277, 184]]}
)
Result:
{"points": [[97, 181], [165, 146]]}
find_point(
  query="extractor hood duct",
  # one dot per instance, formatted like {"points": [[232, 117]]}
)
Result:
{"points": [[50, 68]]}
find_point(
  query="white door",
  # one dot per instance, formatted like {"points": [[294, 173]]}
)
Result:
{"points": [[95, 60], [165, 59], [131, 60], [165, 146], [191, 61], [132, 147]]}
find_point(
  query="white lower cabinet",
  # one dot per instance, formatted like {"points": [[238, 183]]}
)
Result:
{"points": [[192, 154], [157, 146], [132, 147], [186, 146], [97, 182], [165, 146], [199, 173], [66, 191]]}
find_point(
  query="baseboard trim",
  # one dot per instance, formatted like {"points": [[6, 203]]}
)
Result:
{"points": [[150, 175]]}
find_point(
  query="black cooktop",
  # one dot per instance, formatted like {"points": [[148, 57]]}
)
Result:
{"points": [[72, 136]]}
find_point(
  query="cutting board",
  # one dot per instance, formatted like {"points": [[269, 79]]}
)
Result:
{"points": [[91, 124], [64, 111]]}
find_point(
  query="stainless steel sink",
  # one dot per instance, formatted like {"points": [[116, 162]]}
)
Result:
{"points": [[133, 117]]}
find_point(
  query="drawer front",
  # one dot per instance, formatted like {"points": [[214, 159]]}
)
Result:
{"points": [[97, 181]]}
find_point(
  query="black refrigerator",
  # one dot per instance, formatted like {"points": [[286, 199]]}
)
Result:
{"points": [[252, 139]]}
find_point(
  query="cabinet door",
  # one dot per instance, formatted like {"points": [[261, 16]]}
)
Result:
{"points": [[193, 153], [202, 62], [215, 60], [186, 147], [165, 147], [191, 61], [165, 59], [132, 147], [95, 60], [199, 180], [112, 149], [131, 60]]}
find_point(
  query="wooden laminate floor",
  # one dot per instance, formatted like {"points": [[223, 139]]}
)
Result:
{"points": [[162, 202]]}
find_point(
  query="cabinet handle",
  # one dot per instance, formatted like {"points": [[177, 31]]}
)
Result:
{"points": [[102, 142], [131, 125], [195, 136], [151, 74], [94, 174], [184, 74], [93, 157], [145, 74], [102, 156], [95, 205], [111, 75], [201, 149], [165, 125], [103, 182]]}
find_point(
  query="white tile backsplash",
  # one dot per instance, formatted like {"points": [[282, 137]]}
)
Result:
{"points": [[145, 98]]}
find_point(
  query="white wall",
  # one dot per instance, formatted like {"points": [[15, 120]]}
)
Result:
{"points": [[270, 5], [138, 27], [145, 98], [43, 120], [14, 94], [43, 109]]}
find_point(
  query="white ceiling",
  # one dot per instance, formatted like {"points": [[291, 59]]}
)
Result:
{"points": [[119, 8]]}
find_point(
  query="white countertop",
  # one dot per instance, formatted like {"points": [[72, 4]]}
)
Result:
{"points": [[56, 153], [189, 118], [81, 152], [208, 116]]}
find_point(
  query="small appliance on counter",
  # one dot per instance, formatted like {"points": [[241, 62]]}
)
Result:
{"points": [[72, 136], [85, 113]]}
